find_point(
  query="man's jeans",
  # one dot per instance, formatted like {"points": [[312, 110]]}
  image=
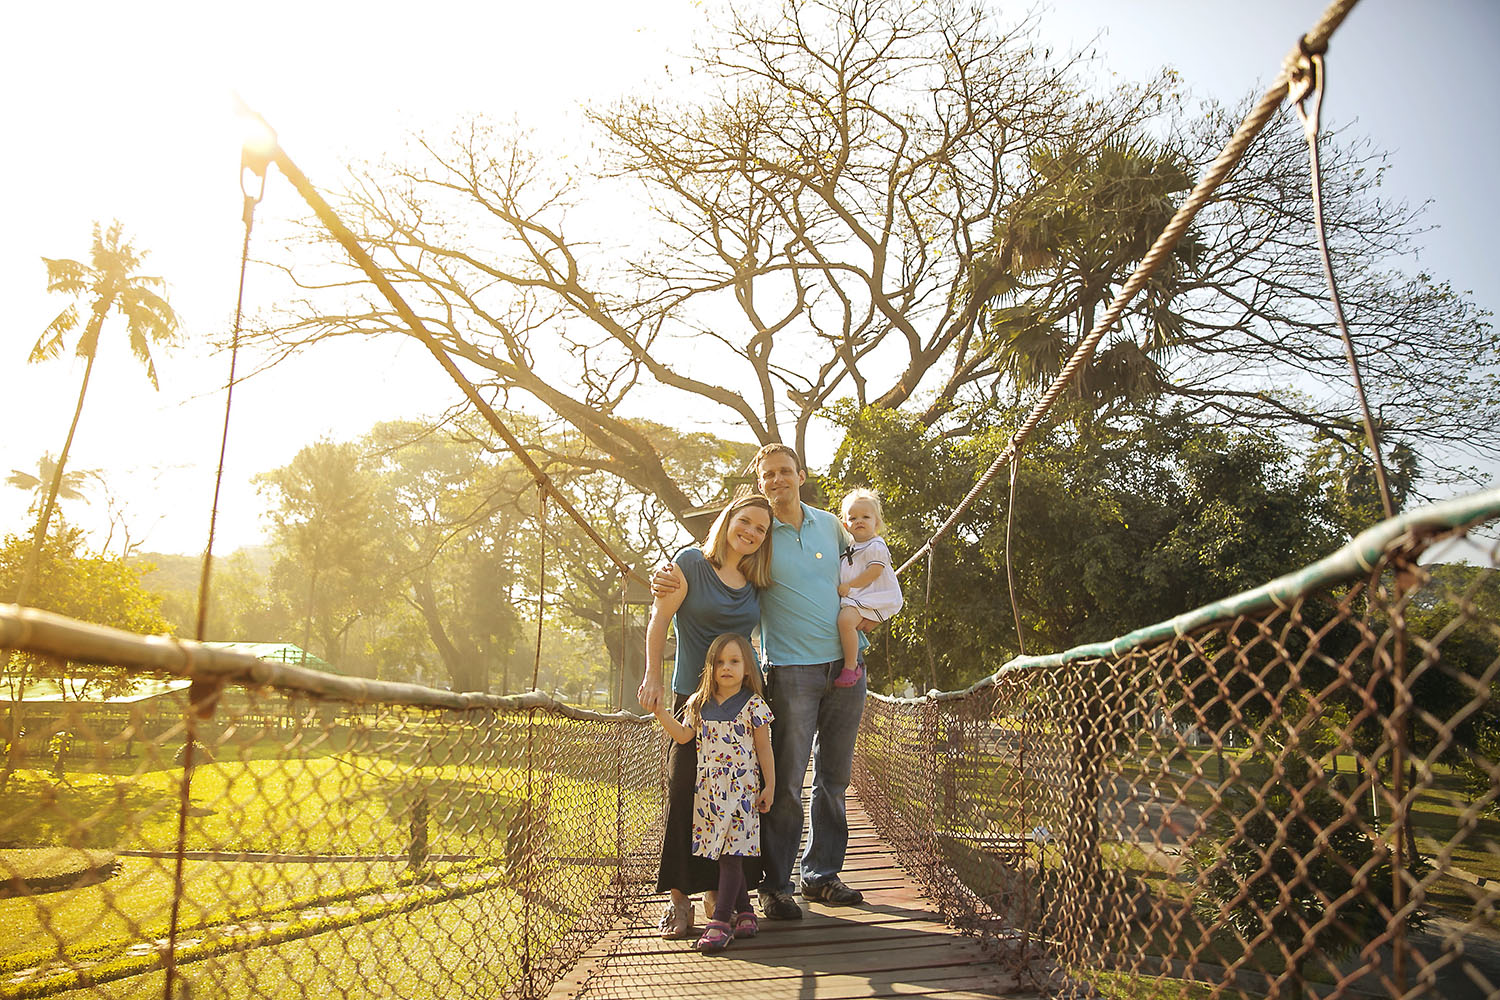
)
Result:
{"points": [[806, 704]]}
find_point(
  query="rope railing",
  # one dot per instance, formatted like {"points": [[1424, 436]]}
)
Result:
{"points": [[1294, 792], [341, 836], [1289, 792]]}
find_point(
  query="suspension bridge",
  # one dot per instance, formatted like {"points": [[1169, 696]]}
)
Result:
{"points": [[1262, 797]]}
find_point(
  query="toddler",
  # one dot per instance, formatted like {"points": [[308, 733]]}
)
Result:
{"points": [[868, 590]]}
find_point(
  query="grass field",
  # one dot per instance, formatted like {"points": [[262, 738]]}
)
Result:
{"points": [[337, 909], [466, 946]]}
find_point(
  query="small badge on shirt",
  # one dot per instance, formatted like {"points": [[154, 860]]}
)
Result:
{"points": [[818, 555]]}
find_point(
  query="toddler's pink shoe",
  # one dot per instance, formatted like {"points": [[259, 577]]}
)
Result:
{"points": [[848, 677]]}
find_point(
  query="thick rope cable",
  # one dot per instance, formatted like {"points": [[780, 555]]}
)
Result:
{"points": [[1315, 41], [1310, 83]]}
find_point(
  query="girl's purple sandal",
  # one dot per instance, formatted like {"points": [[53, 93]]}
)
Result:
{"points": [[716, 937], [745, 925]]}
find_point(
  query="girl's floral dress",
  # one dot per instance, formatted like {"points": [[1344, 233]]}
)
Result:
{"points": [[724, 816]]}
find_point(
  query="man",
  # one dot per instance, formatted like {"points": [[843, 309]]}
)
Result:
{"points": [[802, 656]]}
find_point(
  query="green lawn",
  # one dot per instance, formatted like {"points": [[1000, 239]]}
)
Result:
{"points": [[325, 804], [466, 946], [137, 902], [321, 805]]}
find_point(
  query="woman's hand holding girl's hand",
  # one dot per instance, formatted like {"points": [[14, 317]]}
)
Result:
{"points": [[764, 799]]}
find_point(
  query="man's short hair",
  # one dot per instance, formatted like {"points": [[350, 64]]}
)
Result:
{"points": [[777, 448]]}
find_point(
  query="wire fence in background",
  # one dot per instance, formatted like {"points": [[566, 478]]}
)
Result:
{"points": [[1297, 800], [328, 847]]}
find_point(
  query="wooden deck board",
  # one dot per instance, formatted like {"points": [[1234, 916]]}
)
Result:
{"points": [[894, 945]]}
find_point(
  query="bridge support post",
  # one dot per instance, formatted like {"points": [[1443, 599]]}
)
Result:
{"points": [[416, 850]]}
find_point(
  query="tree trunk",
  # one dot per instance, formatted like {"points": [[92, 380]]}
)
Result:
{"points": [[464, 672], [39, 537], [307, 622]]}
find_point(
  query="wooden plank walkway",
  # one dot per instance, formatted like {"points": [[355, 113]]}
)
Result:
{"points": [[895, 944]]}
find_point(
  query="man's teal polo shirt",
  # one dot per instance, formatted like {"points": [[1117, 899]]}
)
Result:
{"points": [[799, 611]]}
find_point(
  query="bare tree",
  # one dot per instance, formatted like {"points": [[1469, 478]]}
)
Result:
{"points": [[834, 208], [810, 218]]}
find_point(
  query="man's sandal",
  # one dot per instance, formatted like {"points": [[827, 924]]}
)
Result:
{"points": [[745, 925], [716, 937]]}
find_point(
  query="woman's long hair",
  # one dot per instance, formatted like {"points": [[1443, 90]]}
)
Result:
{"points": [[692, 709], [757, 565]]}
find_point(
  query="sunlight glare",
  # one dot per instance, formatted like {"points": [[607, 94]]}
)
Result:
{"points": [[257, 139]]}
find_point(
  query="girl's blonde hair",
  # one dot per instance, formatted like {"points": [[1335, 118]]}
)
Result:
{"points": [[757, 565], [692, 709], [860, 493]]}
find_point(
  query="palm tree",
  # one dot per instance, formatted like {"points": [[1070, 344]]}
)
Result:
{"points": [[1059, 254], [108, 282], [71, 486]]}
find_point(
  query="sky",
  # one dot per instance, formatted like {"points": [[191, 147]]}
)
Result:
{"points": [[124, 111]]}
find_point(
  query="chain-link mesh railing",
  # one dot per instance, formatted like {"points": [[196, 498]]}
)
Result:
{"points": [[367, 842], [1291, 793], [1300, 797]]}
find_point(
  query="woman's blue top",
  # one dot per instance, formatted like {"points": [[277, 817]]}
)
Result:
{"points": [[710, 609]]}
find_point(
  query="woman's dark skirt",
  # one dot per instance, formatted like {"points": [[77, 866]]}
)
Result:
{"points": [[681, 869]]}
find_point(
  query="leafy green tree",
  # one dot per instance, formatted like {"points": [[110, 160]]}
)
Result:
{"points": [[328, 527], [107, 283], [1286, 855], [75, 582], [86, 586], [1187, 514], [638, 527], [1342, 454], [1456, 645], [462, 516], [241, 605], [398, 647]]}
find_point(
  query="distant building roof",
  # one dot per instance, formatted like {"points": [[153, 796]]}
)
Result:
{"points": [[278, 652], [67, 689]]}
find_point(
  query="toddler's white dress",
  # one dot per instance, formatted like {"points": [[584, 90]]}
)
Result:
{"points": [[881, 599]]}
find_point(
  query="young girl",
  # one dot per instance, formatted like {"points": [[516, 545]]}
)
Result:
{"points": [[729, 717], [868, 590]]}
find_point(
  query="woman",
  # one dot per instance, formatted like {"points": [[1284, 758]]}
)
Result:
{"points": [[717, 593]]}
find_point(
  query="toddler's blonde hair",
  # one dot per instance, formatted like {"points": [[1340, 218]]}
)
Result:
{"points": [[860, 493]]}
